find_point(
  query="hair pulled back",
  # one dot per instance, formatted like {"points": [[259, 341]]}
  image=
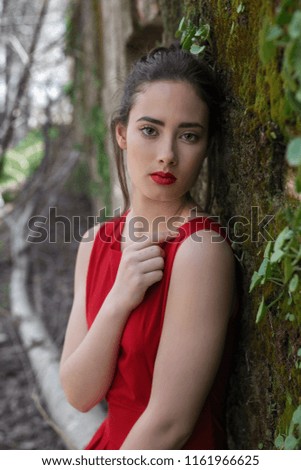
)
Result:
{"points": [[173, 64]]}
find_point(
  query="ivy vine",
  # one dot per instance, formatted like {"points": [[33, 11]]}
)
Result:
{"points": [[281, 261], [193, 38], [281, 264]]}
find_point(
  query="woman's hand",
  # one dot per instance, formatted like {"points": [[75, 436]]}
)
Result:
{"points": [[141, 265]]}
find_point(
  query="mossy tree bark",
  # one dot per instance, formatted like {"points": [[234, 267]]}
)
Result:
{"points": [[84, 44]]}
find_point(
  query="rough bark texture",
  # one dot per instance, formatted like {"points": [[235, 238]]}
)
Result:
{"points": [[86, 49], [254, 173]]}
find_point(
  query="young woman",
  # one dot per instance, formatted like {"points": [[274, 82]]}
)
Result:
{"points": [[151, 327]]}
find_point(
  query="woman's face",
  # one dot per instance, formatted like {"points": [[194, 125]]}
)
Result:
{"points": [[167, 132]]}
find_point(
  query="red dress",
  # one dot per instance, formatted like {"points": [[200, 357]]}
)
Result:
{"points": [[130, 390]]}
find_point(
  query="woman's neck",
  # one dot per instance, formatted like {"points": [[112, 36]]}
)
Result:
{"points": [[149, 218], [154, 215]]}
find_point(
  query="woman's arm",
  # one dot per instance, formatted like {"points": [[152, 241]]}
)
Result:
{"points": [[199, 304], [89, 356]]}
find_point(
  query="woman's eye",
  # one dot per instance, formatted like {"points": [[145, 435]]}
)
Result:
{"points": [[190, 137], [149, 131]]}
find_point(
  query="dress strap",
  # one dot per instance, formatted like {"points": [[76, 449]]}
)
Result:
{"points": [[205, 223]]}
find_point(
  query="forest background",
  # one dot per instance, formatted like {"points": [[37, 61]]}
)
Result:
{"points": [[62, 64]]}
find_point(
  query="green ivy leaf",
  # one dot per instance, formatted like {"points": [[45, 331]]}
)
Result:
{"points": [[277, 255], [291, 101], [273, 33], [240, 8], [186, 44], [284, 235], [290, 317], [279, 442], [290, 443], [261, 311], [267, 273], [294, 283], [255, 281], [203, 32], [299, 355], [298, 96], [196, 49], [294, 28], [182, 25], [293, 152], [292, 62], [263, 267], [267, 250]]}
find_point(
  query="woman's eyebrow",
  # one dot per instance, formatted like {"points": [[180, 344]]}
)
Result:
{"points": [[161, 123], [152, 120], [191, 124]]}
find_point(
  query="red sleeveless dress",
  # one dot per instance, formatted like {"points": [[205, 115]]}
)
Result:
{"points": [[130, 390]]}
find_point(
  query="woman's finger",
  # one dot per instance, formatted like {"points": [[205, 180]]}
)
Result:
{"points": [[154, 238], [153, 264], [149, 252]]}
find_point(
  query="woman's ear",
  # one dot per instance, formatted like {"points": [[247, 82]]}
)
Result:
{"points": [[120, 132]]}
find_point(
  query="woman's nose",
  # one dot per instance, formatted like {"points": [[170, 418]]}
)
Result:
{"points": [[167, 153]]}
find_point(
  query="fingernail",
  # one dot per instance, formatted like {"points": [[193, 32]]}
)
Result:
{"points": [[172, 234]]}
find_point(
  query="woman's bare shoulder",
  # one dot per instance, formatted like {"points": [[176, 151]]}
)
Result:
{"points": [[90, 235], [85, 248], [205, 242], [205, 247], [207, 235]]}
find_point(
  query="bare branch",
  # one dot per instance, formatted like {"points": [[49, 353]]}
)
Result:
{"points": [[16, 44], [57, 42], [9, 124]]}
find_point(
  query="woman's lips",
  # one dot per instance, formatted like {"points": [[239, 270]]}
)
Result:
{"points": [[163, 178]]}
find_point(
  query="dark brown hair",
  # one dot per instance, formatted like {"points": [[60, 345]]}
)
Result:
{"points": [[174, 64]]}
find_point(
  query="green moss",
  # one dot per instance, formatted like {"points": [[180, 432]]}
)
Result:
{"points": [[279, 352], [257, 124], [238, 38]]}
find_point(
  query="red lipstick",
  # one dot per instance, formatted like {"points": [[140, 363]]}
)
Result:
{"points": [[160, 177]]}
